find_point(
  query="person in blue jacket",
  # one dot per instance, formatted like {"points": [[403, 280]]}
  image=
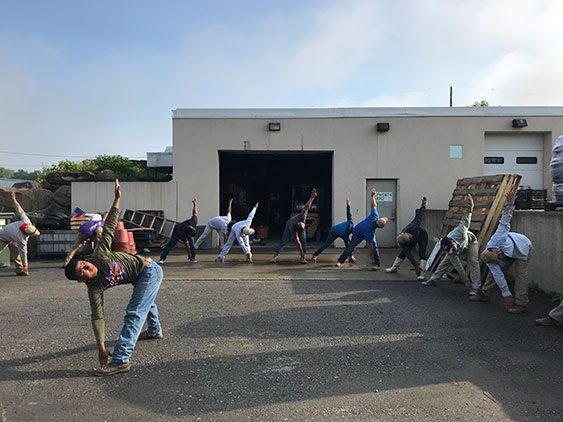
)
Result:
{"points": [[409, 237], [342, 231], [365, 230]]}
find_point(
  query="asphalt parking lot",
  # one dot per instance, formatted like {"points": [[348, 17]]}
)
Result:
{"points": [[283, 342]]}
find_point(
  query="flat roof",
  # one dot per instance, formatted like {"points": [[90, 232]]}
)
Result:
{"points": [[319, 113]]}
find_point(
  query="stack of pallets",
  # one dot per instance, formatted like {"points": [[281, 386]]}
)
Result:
{"points": [[489, 196], [76, 222]]}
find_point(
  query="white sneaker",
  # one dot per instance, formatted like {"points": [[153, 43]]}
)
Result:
{"points": [[274, 259], [193, 261], [303, 261], [429, 282], [161, 262]]}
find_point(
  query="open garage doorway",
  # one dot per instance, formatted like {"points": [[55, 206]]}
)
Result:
{"points": [[282, 182]]}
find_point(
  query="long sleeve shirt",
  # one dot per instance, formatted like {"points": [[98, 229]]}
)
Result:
{"points": [[114, 269], [366, 228], [345, 228], [513, 246], [236, 233], [12, 233], [464, 238]]}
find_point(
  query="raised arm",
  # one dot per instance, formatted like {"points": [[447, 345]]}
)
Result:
{"points": [[230, 208], [373, 203], [111, 221], [415, 223], [19, 210], [117, 195], [466, 218], [348, 212], [194, 210], [311, 199]]}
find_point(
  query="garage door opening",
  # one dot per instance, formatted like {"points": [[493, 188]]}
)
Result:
{"points": [[282, 182]]}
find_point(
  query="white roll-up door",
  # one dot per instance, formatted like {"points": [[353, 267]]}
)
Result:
{"points": [[520, 153]]}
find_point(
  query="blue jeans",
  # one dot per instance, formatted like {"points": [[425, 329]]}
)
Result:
{"points": [[287, 236], [355, 241], [175, 238], [141, 308], [329, 240]]}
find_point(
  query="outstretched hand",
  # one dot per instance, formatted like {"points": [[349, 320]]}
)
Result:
{"points": [[194, 201], [470, 199], [348, 201], [256, 206], [373, 192], [117, 191], [511, 197], [314, 193], [424, 201], [14, 198]]}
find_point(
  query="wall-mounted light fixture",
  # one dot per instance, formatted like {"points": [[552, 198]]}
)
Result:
{"points": [[382, 127], [519, 123], [274, 127]]}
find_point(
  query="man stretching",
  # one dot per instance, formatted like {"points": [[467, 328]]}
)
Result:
{"points": [[184, 231], [460, 243], [107, 269], [365, 230], [342, 231], [240, 231], [295, 229], [219, 224], [409, 237], [15, 235]]}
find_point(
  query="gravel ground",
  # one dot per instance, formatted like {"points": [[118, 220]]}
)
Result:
{"points": [[284, 342]]}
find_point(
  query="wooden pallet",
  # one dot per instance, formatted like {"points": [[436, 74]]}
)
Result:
{"points": [[489, 196], [76, 222]]}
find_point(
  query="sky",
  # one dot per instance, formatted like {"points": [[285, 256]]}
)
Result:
{"points": [[82, 78]]}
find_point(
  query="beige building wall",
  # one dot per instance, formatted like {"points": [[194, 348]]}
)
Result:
{"points": [[98, 196], [415, 150]]}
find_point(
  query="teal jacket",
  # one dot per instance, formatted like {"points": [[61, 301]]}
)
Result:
{"points": [[464, 238]]}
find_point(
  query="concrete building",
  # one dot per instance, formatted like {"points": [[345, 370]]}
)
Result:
{"points": [[276, 155]]}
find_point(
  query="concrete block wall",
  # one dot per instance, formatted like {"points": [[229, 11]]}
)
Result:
{"points": [[543, 228]]}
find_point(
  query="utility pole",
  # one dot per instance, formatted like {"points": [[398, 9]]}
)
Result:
{"points": [[451, 96]]}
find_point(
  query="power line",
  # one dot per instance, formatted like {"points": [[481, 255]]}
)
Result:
{"points": [[52, 155]]}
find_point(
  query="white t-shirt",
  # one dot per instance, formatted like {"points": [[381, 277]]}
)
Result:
{"points": [[220, 223]]}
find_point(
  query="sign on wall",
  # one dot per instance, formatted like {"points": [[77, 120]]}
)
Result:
{"points": [[384, 196]]}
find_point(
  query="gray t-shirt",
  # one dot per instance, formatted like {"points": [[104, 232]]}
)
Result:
{"points": [[299, 218]]}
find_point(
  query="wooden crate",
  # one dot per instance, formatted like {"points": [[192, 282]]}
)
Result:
{"points": [[489, 196]]}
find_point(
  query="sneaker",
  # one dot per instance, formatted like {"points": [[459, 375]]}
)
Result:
{"points": [[549, 322], [112, 369], [420, 277], [479, 296], [219, 259], [193, 261], [339, 264], [274, 258], [303, 261], [517, 309], [314, 258], [375, 267], [429, 282], [146, 336], [351, 259], [161, 261]]}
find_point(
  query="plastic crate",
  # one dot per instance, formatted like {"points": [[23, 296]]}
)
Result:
{"points": [[531, 199]]}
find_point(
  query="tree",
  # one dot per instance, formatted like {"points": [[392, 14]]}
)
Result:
{"points": [[482, 103]]}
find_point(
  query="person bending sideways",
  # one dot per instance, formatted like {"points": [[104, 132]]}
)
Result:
{"points": [[106, 269]]}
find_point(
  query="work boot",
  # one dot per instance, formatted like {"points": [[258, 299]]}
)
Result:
{"points": [[146, 336], [549, 322], [479, 296], [517, 309], [396, 264], [112, 369]]}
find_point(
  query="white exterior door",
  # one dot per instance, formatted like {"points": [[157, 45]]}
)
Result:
{"points": [[520, 153], [386, 207]]}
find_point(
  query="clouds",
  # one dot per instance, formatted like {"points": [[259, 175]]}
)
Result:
{"points": [[102, 86]]}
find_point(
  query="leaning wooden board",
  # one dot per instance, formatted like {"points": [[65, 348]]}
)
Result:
{"points": [[489, 196]]}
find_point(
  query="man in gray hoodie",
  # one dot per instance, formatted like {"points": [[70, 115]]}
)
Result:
{"points": [[460, 243]]}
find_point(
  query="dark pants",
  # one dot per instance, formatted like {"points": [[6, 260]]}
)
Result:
{"points": [[406, 248], [329, 240], [173, 240], [286, 238], [355, 241]]}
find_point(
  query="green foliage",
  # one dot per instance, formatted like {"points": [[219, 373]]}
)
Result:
{"points": [[121, 167], [18, 174], [482, 103], [556, 297]]}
